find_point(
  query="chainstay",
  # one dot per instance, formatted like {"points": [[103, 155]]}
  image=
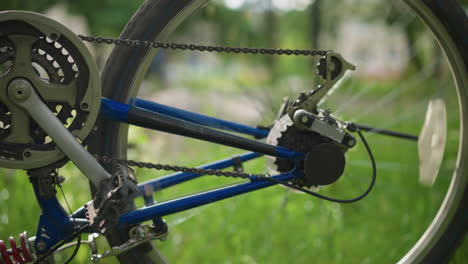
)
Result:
{"points": [[208, 48]]}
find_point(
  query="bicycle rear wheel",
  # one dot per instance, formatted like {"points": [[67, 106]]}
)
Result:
{"points": [[398, 102]]}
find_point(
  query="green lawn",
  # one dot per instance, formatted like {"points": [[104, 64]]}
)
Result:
{"points": [[276, 225]]}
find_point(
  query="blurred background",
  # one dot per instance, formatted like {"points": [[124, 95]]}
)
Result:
{"points": [[400, 68]]}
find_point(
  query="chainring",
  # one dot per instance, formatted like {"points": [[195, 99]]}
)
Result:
{"points": [[63, 73]]}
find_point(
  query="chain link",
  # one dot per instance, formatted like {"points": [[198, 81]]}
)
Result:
{"points": [[165, 167], [192, 47]]}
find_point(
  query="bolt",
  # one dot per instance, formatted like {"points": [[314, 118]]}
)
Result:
{"points": [[53, 36], [19, 89], [351, 142], [304, 119], [41, 245], [27, 154], [140, 232]]}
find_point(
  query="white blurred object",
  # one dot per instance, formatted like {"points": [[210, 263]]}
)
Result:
{"points": [[431, 143], [380, 51]]}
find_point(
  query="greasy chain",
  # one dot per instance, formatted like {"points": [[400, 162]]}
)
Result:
{"points": [[165, 167], [192, 47]]}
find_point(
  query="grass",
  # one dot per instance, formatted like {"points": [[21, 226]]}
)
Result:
{"points": [[276, 225]]}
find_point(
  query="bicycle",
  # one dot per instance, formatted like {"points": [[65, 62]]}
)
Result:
{"points": [[303, 139]]}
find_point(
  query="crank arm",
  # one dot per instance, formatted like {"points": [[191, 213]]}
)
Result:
{"points": [[22, 93]]}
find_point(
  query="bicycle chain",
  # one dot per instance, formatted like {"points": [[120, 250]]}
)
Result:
{"points": [[166, 167], [192, 47], [202, 48]]}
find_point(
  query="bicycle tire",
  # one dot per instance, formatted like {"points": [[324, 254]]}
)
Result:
{"points": [[156, 19]]}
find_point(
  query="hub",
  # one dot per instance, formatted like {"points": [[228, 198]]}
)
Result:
{"points": [[321, 137]]}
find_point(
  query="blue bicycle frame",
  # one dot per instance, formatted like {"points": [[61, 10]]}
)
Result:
{"points": [[55, 225]]}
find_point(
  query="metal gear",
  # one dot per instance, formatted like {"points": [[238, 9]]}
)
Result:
{"points": [[285, 134], [49, 63], [62, 71], [335, 67]]}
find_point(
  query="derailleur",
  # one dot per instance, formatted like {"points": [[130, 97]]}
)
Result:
{"points": [[303, 127], [305, 112]]}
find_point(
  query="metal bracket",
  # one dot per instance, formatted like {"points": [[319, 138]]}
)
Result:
{"points": [[332, 68], [45, 179], [237, 164], [137, 236], [325, 125]]}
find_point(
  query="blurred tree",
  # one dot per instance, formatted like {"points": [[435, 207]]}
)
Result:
{"points": [[33, 5], [105, 17], [271, 35]]}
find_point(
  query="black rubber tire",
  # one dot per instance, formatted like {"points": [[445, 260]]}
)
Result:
{"points": [[456, 22], [147, 24]]}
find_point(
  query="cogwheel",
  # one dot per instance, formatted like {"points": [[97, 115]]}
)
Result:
{"points": [[280, 126], [285, 134], [322, 67]]}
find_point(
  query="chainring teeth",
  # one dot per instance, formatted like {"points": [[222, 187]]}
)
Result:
{"points": [[6, 56], [5, 121], [58, 58]]}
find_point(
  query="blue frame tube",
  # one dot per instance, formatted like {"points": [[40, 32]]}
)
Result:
{"points": [[136, 116], [179, 177], [54, 223], [192, 201], [197, 118], [147, 188]]}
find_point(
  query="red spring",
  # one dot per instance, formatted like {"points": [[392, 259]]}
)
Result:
{"points": [[15, 255]]}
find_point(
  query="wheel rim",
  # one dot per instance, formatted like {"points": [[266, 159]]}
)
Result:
{"points": [[458, 181]]}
